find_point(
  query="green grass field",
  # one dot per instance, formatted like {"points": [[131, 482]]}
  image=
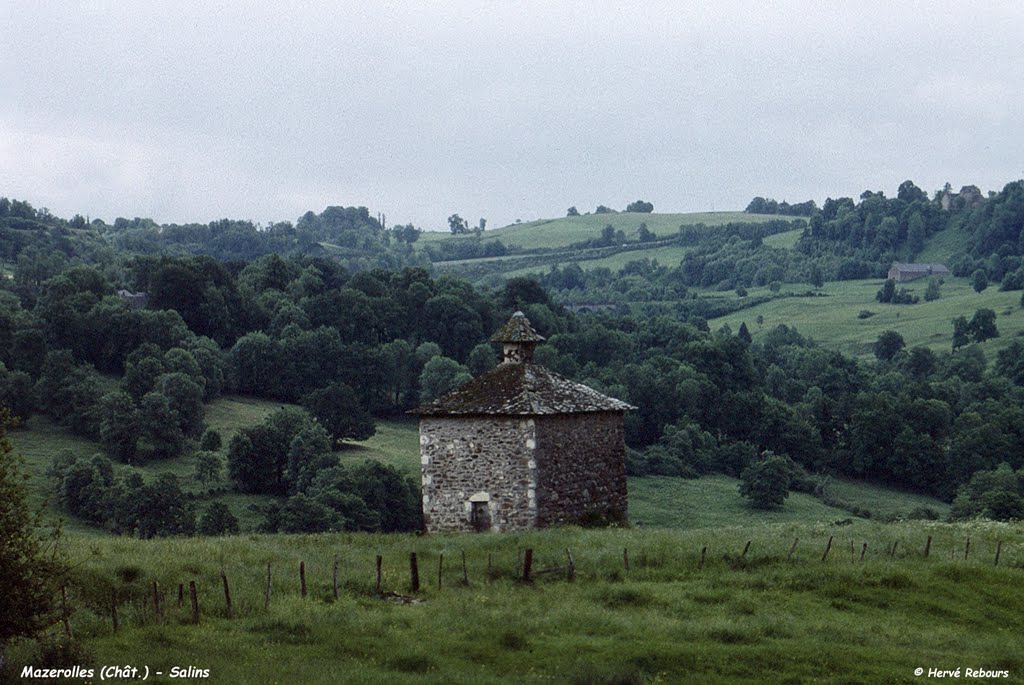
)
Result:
{"points": [[833, 320], [711, 501], [784, 241], [553, 233], [759, 617]]}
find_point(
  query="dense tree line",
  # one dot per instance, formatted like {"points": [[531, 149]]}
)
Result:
{"points": [[349, 345]]}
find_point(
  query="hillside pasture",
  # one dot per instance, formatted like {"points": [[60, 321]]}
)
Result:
{"points": [[834, 320], [744, 611], [554, 233]]}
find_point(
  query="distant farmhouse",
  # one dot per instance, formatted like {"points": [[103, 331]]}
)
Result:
{"points": [[521, 447], [901, 273], [968, 198], [134, 300]]}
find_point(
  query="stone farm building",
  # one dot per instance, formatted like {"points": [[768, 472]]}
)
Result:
{"points": [[521, 447], [901, 273]]}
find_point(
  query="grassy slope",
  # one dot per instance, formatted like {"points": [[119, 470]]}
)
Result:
{"points": [[784, 240], [759, 619], [552, 233], [713, 501], [654, 502], [832, 320]]}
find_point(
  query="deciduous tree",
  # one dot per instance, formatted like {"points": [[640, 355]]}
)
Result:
{"points": [[29, 565]]}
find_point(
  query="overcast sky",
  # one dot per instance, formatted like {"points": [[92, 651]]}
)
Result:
{"points": [[192, 111]]}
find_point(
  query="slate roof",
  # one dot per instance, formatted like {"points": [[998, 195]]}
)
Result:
{"points": [[520, 390], [517, 329]]}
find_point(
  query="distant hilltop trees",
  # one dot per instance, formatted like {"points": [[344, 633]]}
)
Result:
{"points": [[760, 205], [640, 207]]}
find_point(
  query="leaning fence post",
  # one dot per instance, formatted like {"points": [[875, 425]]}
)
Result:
{"points": [[999, 548], [928, 547], [792, 548], [227, 592], [863, 551], [266, 596], [745, 548], [892, 552], [827, 548]]}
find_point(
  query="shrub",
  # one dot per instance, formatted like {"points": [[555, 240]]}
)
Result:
{"points": [[211, 441], [766, 483]]}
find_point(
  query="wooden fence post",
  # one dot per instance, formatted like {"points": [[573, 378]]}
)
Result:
{"points": [[113, 607], [892, 552], [195, 601], [490, 569], [335, 577], [967, 549], [440, 570], [928, 547], [572, 565], [863, 551], [527, 564], [703, 553], [745, 548], [380, 561], [157, 611], [999, 548], [181, 595], [67, 621], [302, 578], [827, 548], [792, 548], [227, 592], [625, 558], [465, 571], [414, 573], [266, 595]]}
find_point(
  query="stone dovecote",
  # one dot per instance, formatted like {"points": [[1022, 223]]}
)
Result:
{"points": [[521, 447]]}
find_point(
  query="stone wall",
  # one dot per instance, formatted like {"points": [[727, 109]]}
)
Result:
{"points": [[478, 459], [581, 475]]}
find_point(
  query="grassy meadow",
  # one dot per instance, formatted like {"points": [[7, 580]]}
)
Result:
{"points": [[561, 232], [834, 320], [759, 617]]}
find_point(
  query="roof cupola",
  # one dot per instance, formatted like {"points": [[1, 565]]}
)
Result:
{"points": [[518, 339]]}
